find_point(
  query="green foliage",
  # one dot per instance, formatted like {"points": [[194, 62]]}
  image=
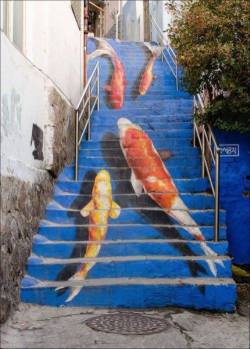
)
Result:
{"points": [[212, 38]]}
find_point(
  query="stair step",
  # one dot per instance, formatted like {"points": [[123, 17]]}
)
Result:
{"points": [[197, 201], [126, 266], [149, 125], [79, 231], [135, 216], [125, 173], [110, 142], [117, 153], [43, 247], [145, 116], [199, 293], [97, 134], [120, 161], [194, 185]]}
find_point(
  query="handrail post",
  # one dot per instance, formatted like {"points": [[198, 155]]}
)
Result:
{"points": [[176, 73], [217, 193], [203, 152], [76, 144], [194, 133], [98, 87], [89, 106]]}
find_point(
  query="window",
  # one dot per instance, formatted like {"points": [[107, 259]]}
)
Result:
{"points": [[13, 21]]}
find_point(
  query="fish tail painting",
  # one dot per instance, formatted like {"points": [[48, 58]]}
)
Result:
{"points": [[99, 209], [147, 76], [103, 49], [154, 178], [117, 85]]}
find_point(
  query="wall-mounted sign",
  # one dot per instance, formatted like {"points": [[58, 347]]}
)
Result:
{"points": [[230, 150]]}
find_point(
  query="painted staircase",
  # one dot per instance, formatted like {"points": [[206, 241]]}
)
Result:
{"points": [[146, 259]]}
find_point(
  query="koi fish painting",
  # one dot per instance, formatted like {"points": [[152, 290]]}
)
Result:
{"points": [[152, 176], [99, 209], [117, 85], [147, 76]]}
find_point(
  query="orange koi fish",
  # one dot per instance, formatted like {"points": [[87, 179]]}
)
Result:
{"points": [[153, 177], [147, 76], [99, 209], [117, 85]]}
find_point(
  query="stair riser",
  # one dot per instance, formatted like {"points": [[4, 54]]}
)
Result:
{"points": [[211, 297], [133, 217], [193, 202], [77, 250], [153, 269], [185, 186], [128, 232]]}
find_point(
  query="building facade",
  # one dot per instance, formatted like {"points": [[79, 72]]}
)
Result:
{"points": [[41, 82]]}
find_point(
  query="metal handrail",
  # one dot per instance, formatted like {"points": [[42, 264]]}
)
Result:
{"points": [[210, 151], [166, 45], [86, 106], [117, 25]]}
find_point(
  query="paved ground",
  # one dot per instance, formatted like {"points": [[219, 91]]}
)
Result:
{"points": [[44, 327]]}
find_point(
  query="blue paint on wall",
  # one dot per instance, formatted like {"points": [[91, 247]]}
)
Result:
{"points": [[235, 184]]}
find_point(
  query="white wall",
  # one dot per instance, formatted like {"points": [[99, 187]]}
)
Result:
{"points": [[25, 101], [51, 59], [162, 16], [133, 21], [53, 42]]}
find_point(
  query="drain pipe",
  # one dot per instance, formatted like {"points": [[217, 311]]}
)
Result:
{"points": [[85, 40]]}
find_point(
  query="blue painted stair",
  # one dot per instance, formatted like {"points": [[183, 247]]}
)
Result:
{"points": [[146, 258]]}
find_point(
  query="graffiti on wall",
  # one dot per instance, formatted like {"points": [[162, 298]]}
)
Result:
{"points": [[11, 112], [37, 140]]}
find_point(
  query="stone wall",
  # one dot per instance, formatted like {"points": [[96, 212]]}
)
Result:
{"points": [[23, 202]]}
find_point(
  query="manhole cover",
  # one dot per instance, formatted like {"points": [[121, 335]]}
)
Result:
{"points": [[127, 323]]}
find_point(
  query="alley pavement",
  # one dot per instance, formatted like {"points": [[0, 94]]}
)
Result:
{"points": [[35, 326]]}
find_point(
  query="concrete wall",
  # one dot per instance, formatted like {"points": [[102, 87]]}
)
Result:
{"points": [[53, 42], [132, 20], [235, 194], [38, 88]]}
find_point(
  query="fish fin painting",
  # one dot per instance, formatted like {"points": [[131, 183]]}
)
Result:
{"points": [[136, 184], [147, 76], [85, 211], [157, 182], [117, 84], [115, 210], [99, 209]]}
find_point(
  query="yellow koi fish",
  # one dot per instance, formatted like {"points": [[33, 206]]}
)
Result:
{"points": [[99, 209]]}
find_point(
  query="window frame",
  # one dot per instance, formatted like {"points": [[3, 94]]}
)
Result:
{"points": [[9, 30]]}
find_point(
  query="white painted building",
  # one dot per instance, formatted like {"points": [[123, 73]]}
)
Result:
{"points": [[134, 16], [132, 20], [41, 52]]}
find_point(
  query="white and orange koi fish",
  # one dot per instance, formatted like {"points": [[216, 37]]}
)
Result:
{"points": [[99, 209], [147, 76], [117, 85], [153, 177]]}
